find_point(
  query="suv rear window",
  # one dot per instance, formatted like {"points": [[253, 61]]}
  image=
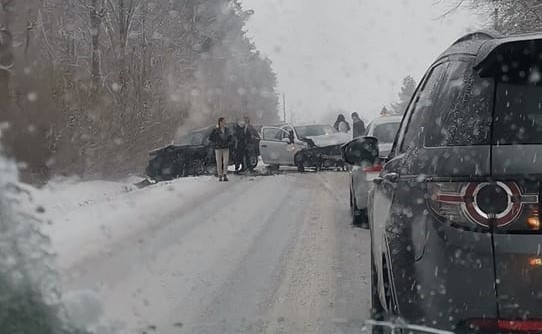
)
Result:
{"points": [[518, 114], [461, 113]]}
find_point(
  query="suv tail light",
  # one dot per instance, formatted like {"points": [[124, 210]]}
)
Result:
{"points": [[371, 172], [484, 204], [507, 326], [373, 169]]}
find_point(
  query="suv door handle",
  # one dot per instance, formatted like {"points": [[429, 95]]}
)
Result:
{"points": [[389, 177], [263, 145]]}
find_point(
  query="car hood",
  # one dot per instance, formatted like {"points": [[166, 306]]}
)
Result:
{"points": [[173, 147], [330, 140]]}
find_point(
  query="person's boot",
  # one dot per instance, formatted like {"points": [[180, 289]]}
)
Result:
{"points": [[220, 178], [226, 178]]}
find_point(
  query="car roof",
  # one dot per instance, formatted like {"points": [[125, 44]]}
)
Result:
{"points": [[481, 44], [297, 124], [309, 124], [386, 119]]}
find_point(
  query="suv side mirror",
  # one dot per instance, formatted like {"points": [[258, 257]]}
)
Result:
{"points": [[361, 150]]}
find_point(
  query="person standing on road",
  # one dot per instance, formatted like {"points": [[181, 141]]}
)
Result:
{"points": [[341, 124], [358, 127], [241, 145], [253, 138], [221, 139], [246, 137]]}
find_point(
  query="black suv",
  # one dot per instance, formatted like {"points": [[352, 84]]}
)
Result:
{"points": [[454, 214], [193, 155]]}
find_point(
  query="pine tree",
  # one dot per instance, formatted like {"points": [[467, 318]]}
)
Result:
{"points": [[408, 88], [384, 112]]}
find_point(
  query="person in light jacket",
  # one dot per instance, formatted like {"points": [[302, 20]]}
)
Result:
{"points": [[341, 124], [221, 139]]}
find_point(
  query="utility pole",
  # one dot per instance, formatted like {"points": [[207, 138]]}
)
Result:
{"points": [[496, 18], [284, 107]]}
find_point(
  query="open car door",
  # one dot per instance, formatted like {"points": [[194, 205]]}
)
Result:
{"points": [[274, 145]]}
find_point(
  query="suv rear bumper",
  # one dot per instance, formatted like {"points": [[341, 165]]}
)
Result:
{"points": [[453, 280]]}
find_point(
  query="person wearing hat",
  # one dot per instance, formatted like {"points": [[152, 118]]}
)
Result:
{"points": [[358, 127]]}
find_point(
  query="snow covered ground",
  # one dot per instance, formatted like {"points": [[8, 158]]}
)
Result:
{"points": [[262, 254], [87, 218]]}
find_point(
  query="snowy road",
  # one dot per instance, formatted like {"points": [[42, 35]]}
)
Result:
{"points": [[274, 254]]}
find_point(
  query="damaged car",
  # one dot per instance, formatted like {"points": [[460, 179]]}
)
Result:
{"points": [[193, 155], [304, 146]]}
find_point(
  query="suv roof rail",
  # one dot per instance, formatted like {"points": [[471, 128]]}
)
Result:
{"points": [[479, 35]]}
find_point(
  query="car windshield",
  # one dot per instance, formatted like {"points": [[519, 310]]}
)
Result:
{"points": [[386, 132], [184, 140], [210, 166], [199, 138], [314, 130]]}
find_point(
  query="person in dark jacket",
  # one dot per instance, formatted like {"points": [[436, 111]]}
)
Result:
{"points": [[253, 139], [241, 143], [358, 127], [245, 136], [221, 139], [341, 124]]}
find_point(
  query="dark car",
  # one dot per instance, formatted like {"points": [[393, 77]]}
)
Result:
{"points": [[193, 155], [456, 239]]}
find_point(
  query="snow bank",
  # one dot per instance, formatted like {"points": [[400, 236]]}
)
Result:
{"points": [[62, 197], [88, 218]]}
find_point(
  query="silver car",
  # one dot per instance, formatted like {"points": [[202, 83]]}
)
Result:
{"points": [[304, 146], [384, 129]]}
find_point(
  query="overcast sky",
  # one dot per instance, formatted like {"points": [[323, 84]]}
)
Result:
{"points": [[350, 54]]}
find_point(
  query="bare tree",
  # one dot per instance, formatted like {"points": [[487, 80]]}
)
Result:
{"points": [[507, 16], [6, 52], [97, 12], [104, 81]]}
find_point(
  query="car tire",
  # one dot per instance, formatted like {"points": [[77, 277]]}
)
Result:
{"points": [[211, 169], [253, 161], [198, 167], [319, 166]]}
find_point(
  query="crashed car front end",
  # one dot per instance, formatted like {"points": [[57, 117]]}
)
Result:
{"points": [[325, 157], [177, 161], [324, 151], [330, 155]]}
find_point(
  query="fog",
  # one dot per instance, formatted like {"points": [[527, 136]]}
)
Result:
{"points": [[351, 55]]}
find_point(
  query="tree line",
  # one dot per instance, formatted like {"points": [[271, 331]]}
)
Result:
{"points": [[507, 16], [88, 87], [406, 91]]}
